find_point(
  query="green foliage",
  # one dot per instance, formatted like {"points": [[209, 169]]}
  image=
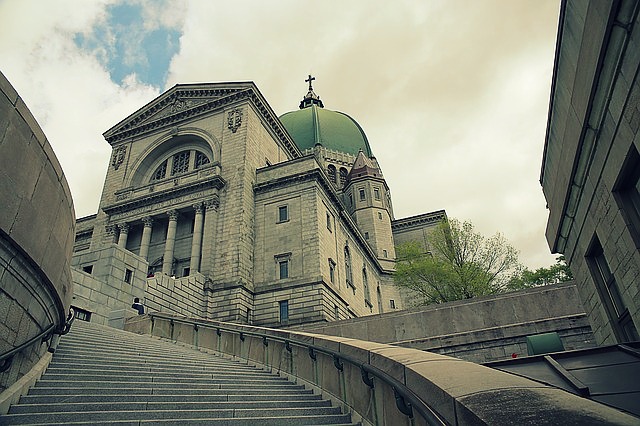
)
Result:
{"points": [[557, 273], [460, 264]]}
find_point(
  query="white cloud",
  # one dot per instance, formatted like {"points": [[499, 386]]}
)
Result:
{"points": [[452, 95]]}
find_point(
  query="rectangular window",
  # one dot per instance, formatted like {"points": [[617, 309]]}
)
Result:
{"points": [[366, 235], [284, 310], [362, 196], [392, 304], [283, 267], [350, 199], [81, 314], [376, 193], [186, 272], [384, 253], [609, 293], [88, 269], [180, 163], [328, 221], [283, 213], [380, 215], [336, 312], [128, 275], [627, 193]]}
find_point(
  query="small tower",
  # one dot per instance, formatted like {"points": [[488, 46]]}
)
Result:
{"points": [[369, 205]]}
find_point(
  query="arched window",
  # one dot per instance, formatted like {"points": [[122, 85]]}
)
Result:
{"points": [[160, 172], [343, 175], [365, 285], [179, 163], [201, 160], [332, 173], [347, 266]]}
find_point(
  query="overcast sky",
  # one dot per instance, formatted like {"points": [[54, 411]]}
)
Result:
{"points": [[452, 94]]}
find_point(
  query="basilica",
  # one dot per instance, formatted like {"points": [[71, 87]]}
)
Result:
{"points": [[215, 207]]}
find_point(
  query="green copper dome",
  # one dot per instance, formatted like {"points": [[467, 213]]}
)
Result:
{"points": [[312, 124]]}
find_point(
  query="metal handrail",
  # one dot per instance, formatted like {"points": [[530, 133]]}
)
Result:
{"points": [[7, 357], [401, 392]]}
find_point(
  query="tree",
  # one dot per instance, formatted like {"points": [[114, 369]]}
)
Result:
{"points": [[557, 273], [460, 264]]}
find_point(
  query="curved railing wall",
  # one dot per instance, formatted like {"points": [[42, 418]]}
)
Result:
{"points": [[37, 223], [382, 384]]}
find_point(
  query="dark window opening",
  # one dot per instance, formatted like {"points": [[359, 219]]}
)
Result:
{"points": [[362, 196], [128, 275], [609, 293], [627, 193], [81, 314], [284, 269], [284, 310], [283, 213], [88, 269]]}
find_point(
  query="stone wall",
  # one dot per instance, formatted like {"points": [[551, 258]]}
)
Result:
{"points": [[183, 296], [591, 161], [36, 235], [105, 288], [480, 330]]}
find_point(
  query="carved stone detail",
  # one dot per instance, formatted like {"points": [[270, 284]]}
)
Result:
{"points": [[148, 221], [173, 214], [234, 119], [118, 156]]}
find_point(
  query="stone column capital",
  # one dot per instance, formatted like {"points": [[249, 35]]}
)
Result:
{"points": [[199, 208], [123, 227], [212, 203], [147, 221], [173, 214]]}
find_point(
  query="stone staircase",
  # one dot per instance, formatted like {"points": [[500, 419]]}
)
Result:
{"points": [[100, 375]]}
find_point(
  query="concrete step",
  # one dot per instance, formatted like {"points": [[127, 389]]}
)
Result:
{"points": [[304, 395], [322, 420], [103, 376], [229, 413], [185, 384], [228, 389], [98, 369]]}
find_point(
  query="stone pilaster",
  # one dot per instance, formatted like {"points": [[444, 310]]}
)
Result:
{"points": [[146, 237], [209, 235], [196, 244], [167, 260], [124, 234]]}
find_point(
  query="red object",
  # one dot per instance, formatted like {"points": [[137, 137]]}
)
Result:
{"points": [[514, 355]]}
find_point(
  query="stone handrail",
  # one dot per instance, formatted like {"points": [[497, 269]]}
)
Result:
{"points": [[425, 388]]}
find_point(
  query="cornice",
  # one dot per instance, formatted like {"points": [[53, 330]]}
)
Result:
{"points": [[214, 182], [419, 220], [186, 102]]}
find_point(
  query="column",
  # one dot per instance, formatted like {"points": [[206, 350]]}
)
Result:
{"points": [[196, 244], [208, 236], [124, 233], [167, 260], [146, 237]]}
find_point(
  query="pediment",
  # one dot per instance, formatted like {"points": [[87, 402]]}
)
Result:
{"points": [[176, 105]]}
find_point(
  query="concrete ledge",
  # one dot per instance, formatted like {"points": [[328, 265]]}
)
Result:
{"points": [[12, 394]]}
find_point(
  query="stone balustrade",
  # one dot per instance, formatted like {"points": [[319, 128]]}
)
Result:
{"points": [[459, 392]]}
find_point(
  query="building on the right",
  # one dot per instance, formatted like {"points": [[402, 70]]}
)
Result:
{"points": [[591, 161]]}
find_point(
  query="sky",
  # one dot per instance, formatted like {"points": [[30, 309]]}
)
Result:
{"points": [[453, 95]]}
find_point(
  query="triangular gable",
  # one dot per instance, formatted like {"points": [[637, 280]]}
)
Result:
{"points": [[187, 101]]}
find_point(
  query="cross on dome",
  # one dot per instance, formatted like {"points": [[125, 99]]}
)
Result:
{"points": [[310, 98]]}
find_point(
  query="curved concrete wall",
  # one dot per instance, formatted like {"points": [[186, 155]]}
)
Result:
{"points": [[459, 392], [37, 223]]}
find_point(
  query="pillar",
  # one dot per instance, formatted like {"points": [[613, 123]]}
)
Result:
{"points": [[196, 244], [146, 237], [167, 260], [124, 233], [208, 236]]}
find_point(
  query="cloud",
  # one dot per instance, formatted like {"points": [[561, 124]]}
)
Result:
{"points": [[451, 94]]}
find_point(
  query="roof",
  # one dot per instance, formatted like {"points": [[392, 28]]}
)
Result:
{"points": [[607, 374], [334, 130]]}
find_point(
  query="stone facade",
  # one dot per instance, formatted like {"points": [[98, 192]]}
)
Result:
{"points": [[209, 209], [36, 237], [591, 164]]}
